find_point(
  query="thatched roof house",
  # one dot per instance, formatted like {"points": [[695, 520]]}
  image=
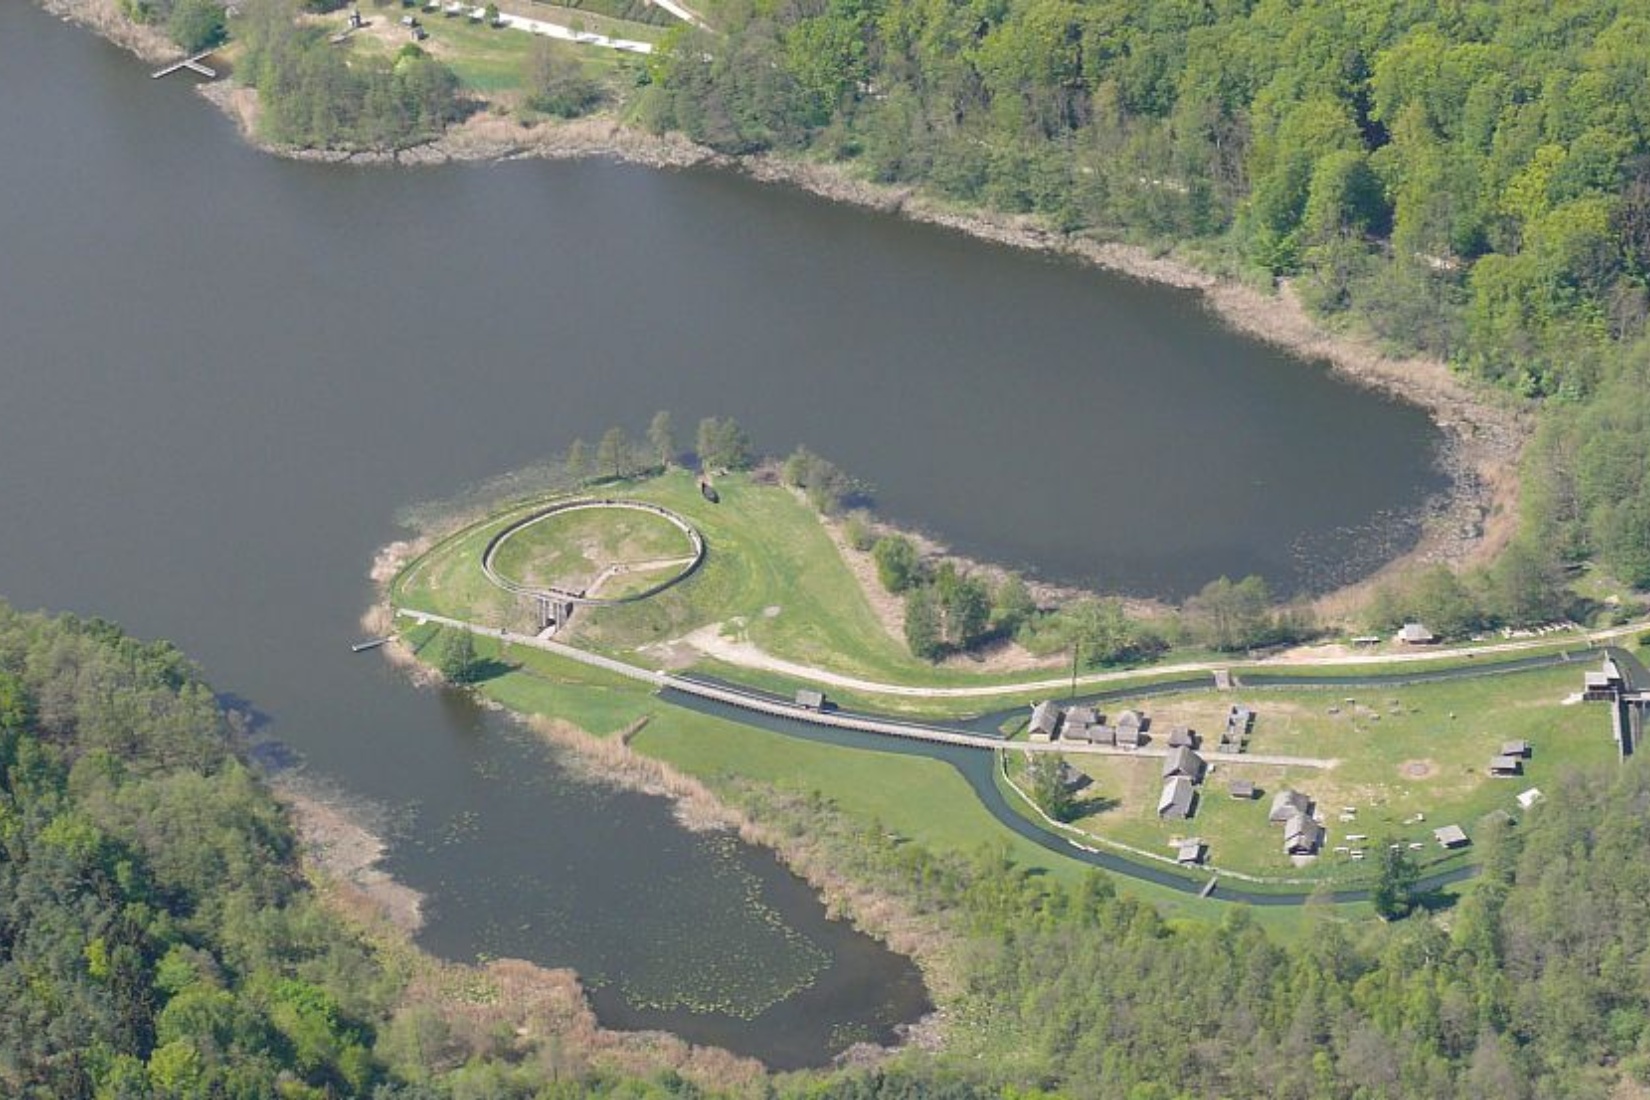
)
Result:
{"points": [[1177, 798], [1287, 804], [1183, 762]]}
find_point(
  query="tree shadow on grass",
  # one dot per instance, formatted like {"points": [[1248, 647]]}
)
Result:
{"points": [[488, 668], [1436, 901], [1095, 804]]}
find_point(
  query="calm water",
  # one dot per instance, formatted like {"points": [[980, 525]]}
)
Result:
{"points": [[223, 373]]}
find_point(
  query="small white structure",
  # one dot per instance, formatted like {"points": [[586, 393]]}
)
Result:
{"points": [[1529, 798], [1416, 634], [1450, 836]]}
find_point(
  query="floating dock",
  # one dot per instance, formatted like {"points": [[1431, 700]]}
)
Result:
{"points": [[370, 643]]}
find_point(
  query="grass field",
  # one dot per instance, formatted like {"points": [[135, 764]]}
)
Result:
{"points": [[492, 60], [771, 576], [1418, 751], [572, 549]]}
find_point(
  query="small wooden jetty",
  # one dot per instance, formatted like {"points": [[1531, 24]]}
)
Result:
{"points": [[193, 64], [370, 643]]}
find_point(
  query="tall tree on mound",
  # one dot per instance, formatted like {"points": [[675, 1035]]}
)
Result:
{"points": [[1394, 893]]}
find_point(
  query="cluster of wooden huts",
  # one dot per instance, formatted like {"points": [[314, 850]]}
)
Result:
{"points": [[1086, 726], [1183, 770], [1509, 762]]}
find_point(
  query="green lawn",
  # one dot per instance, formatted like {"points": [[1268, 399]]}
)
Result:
{"points": [[492, 60], [571, 549], [771, 576], [1402, 755]]}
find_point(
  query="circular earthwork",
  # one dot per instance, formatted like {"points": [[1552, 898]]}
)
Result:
{"points": [[682, 567]]}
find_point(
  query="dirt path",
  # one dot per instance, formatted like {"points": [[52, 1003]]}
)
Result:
{"points": [[709, 641]]}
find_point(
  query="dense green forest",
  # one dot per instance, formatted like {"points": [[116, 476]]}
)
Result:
{"points": [[157, 940], [1466, 179]]}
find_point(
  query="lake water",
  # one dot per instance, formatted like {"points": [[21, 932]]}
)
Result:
{"points": [[223, 374]]}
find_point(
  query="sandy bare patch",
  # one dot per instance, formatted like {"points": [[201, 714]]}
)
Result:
{"points": [[346, 854], [1418, 769], [888, 608]]}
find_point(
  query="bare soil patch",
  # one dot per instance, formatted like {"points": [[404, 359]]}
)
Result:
{"points": [[1418, 769]]}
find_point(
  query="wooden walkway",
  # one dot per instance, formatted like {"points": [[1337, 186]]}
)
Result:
{"points": [[193, 64]]}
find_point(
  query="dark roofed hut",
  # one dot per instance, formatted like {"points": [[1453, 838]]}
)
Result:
{"points": [[1177, 798], [1516, 748], [1286, 804], [1082, 715], [1079, 724], [1182, 738], [1301, 836], [1045, 721], [1242, 789], [1505, 766], [1184, 762]]}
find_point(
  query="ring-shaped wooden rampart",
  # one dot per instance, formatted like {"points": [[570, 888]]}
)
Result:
{"points": [[561, 595]]}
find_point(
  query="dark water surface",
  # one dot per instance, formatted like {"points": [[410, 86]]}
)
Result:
{"points": [[222, 373]]}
